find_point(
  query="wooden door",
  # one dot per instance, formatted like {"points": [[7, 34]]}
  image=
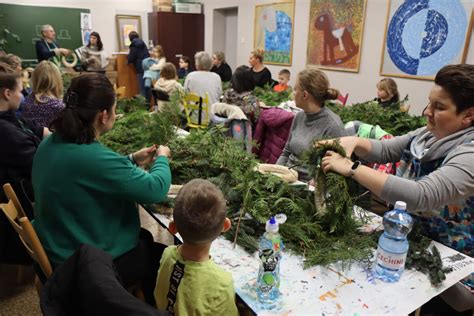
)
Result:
{"points": [[177, 33]]}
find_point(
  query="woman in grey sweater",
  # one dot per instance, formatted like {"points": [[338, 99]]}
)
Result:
{"points": [[315, 121], [436, 175]]}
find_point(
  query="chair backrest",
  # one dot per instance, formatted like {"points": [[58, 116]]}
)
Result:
{"points": [[161, 95], [197, 110], [343, 99], [28, 236], [11, 195], [121, 92]]}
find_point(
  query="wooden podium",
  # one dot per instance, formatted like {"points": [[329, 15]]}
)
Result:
{"points": [[126, 75]]}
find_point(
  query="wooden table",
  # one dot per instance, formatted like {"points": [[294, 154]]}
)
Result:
{"points": [[333, 290]]}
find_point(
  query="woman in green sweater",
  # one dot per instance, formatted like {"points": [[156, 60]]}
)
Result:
{"points": [[87, 193]]}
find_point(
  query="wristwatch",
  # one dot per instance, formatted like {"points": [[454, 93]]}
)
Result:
{"points": [[353, 168]]}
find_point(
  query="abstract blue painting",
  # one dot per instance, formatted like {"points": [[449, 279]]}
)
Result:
{"points": [[424, 35], [274, 31]]}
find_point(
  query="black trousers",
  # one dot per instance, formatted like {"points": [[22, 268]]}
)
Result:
{"points": [[140, 265]]}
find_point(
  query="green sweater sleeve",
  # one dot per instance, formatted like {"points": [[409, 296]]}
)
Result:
{"points": [[151, 186], [118, 175]]}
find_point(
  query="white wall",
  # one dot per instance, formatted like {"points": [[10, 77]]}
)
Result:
{"points": [[360, 86], [224, 36], [103, 15], [231, 37]]}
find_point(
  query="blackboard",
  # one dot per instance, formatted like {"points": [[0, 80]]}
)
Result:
{"points": [[26, 22]]}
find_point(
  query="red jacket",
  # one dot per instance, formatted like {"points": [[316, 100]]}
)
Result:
{"points": [[271, 133]]}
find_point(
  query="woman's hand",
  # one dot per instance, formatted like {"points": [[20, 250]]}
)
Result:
{"points": [[349, 143], [335, 162], [145, 156], [163, 151]]}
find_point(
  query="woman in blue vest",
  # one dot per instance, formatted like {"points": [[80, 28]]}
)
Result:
{"points": [[435, 177]]}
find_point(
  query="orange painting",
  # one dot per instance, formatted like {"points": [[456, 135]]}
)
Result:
{"points": [[335, 34]]}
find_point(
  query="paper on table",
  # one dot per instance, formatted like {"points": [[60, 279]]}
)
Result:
{"points": [[332, 290]]}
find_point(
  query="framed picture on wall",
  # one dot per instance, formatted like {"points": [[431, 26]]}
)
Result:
{"points": [[126, 24], [273, 31], [423, 36], [335, 34]]}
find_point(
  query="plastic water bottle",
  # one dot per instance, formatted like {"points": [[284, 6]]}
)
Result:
{"points": [[270, 253], [393, 244]]}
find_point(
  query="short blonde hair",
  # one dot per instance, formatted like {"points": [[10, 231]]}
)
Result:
{"points": [[45, 27], [220, 56], [258, 53], [46, 80], [316, 83]]}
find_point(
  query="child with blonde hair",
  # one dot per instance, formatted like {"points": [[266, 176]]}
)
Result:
{"points": [[45, 101], [387, 92]]}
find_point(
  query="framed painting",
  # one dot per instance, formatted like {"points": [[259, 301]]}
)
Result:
{"points": [[335, 34], [125, 25], [422, 36], [273, 31]]}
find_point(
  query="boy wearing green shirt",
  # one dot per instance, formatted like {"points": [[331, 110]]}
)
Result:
{"points": [[189, 282]]}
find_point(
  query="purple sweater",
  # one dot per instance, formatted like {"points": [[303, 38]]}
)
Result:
{"points": [[41, 113]]}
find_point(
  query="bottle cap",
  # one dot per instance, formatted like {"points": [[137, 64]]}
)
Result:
{"points": [[400, 205], [272, 225], [280, 218]]}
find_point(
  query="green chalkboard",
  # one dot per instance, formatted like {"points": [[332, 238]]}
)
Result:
{"points": [[26, 21]]}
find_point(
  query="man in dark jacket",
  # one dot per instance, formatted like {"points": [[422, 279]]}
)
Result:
{"points": [[138, 52], [47, 48]]}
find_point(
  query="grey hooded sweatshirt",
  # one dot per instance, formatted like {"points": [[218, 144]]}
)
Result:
{"points": [[451, 182]]}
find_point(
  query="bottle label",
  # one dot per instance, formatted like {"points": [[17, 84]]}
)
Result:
{"points": [[390, 260], [269, 260]]}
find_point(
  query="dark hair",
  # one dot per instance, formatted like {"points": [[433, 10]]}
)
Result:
{"points": [[285, 72], [458, 81], [168, 71], [133, 35], [88, 94], [186, 59], [199, 211], [99, 41], [8, 77], [242, 79]]}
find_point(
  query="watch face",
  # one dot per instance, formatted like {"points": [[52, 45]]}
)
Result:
{"points": [[355, 165]]}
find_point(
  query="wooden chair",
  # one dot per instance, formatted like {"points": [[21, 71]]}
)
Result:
{"points": [[343, 98], [121, 92], [11, 195], [27, 233], [197, 110]]}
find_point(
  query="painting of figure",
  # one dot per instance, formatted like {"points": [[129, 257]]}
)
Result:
{"points": [[335, 34], [274, 31], [444, 31]]}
